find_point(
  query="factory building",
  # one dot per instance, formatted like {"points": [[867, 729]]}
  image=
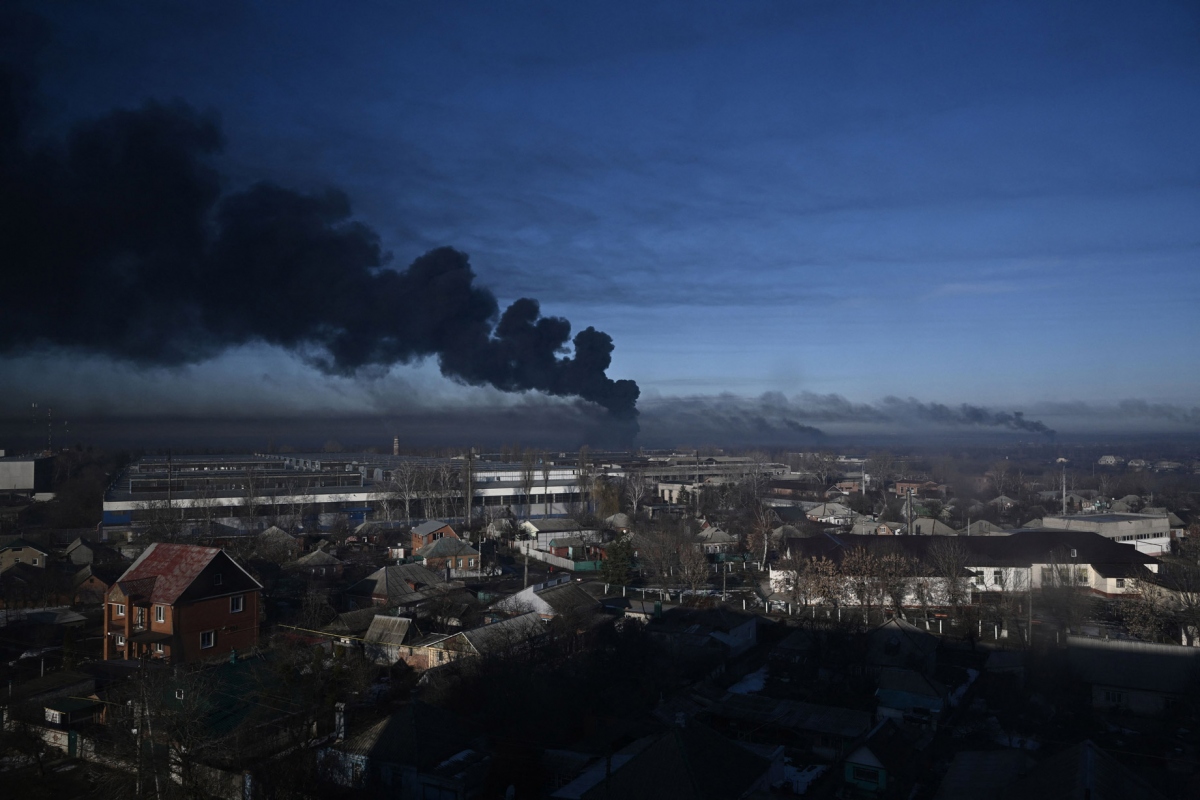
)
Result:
{"points": [[252, 492], [1118, 527], [27, 476]]}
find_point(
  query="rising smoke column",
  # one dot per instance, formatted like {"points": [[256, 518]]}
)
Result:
{"points": [[120, 241]]}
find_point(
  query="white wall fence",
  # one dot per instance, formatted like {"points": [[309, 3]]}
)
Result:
{"points": [[529, 548]]}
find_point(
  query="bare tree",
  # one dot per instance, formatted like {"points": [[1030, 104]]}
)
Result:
{"points": [[758, 475], [163, 522], [792, 578], [861, 571], [1000, 476], [694, 568], [583, 483], [251, 494], [825, 580], [948, 557], [636, 486], [204, 504], [1146, 611], [406, 483], [881, 467], [1064, 589], [822, 465], [659, 548], [386, 499], [758, 543], [1178, 588], [923, 588], [528, 473], [895, 578], [296, 494], [606, 495], [316, 612], [1012, 584], [467, 487], [443, 481], [22, 740]]}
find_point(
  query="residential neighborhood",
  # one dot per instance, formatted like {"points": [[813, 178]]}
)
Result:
{"points": [[811, 641]]}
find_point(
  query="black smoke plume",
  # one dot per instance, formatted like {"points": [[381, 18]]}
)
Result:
{"points": [[963, 415], [773, 418], [122, 241]]}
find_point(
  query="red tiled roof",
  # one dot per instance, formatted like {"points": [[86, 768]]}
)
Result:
{"points": [[166, 570]]}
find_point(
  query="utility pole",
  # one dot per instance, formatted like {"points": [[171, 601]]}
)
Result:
{"points": [[1064, 490], [909, 508], [1029, 622]]}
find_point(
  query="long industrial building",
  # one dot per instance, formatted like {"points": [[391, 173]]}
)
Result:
{"points": [[254, 491], [1118, 527]]}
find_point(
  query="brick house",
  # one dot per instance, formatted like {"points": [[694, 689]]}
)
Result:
{"points": [[93, 582], [429, 532], [447, 552], [181, 603]]}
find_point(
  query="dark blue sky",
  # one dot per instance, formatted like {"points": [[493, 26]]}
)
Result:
{"points": [[993, 203]]}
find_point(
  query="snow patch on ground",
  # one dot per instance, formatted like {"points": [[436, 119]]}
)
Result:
{"points": [[754, 682], [799, 778], [16, 615], [957, 695], [1019, 742]]}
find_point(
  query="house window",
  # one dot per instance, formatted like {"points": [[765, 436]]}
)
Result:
{"points": [[120, 609], [1120, 583], [179, 694], [236, 604], [53, 716], [160, 613], [996, 576], [1073, 553], [471, 562], [1114, 697], [864, 774], [158, 647], [217, 579], [35, 561], [120, 640], [207, 639], [979, 579]]}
